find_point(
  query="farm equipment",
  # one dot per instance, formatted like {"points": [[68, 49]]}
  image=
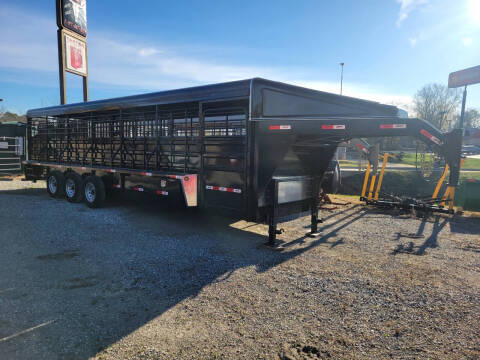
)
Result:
{"points": [[256, 147], [370, 194]]}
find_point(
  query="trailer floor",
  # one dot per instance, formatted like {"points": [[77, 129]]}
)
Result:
{"points": [[138, 281]]}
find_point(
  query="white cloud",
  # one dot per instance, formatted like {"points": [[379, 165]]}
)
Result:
{"points": [[130, 62], [467, 41], [406, 7]]}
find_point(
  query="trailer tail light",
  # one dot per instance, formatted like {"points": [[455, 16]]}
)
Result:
{"points": [[333, 127], [280, 127], [430, 136], [146, 174], [161, 192], [393, 126], [224, 189]]}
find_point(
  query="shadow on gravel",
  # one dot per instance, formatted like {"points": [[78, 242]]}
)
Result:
{"points": [[337, 225], [131, 262], [29, 192], [84, 279], [430, 240]]}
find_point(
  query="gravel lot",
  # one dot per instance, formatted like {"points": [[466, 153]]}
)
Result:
{"points": [[137, 280]]}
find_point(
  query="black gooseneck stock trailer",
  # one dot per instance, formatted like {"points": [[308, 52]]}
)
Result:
{"points": [[257, 147]]}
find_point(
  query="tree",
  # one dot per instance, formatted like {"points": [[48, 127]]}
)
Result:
{"points": [[6, 116], [437, 104], [472, 118]]}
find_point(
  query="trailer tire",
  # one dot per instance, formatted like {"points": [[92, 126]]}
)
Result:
{"points": [[56, 184], [333, 179], [336, 180], [94, 191], [74, 187]]}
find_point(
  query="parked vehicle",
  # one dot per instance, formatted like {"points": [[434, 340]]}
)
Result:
{"points": [[256, 147], [471, 149]]}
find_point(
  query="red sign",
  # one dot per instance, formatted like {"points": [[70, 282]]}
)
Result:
{"points": [[464, 77], [75, 55]]}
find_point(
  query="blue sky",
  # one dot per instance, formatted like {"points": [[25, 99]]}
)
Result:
{"points": [[390, 47]]}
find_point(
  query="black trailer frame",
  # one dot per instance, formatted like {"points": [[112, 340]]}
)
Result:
{"points": [[257, 147]]}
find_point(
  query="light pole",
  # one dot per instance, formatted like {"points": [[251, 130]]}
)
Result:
{"points": [[341, 79]]}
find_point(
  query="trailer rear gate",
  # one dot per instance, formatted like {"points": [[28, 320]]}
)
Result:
{"points": [[257, 147]]}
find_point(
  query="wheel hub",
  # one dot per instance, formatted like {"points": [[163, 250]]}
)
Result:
{"points": [[52, 184], [70, 188], [90, 192]]}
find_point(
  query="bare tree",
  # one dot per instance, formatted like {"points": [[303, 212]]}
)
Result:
{"points": [[437, 104], [472, 118]]}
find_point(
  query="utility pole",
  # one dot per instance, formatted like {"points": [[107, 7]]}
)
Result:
{"points": [[464, 100], [341, 79]]}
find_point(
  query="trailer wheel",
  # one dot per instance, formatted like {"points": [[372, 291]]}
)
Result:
{"points": [[333, 179], [336, 180], [94, 191], [56, 184], [74, 187]]}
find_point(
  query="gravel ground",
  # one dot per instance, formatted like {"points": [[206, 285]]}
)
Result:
{"points": [[137, 280]]}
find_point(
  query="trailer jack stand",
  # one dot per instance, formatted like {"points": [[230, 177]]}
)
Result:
{"points": [[272, 234]]}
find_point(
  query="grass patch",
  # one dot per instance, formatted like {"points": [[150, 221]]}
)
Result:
{"points": [[411, 159], [404, 183]]}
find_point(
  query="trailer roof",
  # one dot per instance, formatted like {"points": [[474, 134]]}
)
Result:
{"points": [[228, 90]]}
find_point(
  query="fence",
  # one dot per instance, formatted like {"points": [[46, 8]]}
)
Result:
{"points": [[11, 153]]}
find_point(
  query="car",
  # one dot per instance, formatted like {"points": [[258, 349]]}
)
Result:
{"points": [[471, 149]]}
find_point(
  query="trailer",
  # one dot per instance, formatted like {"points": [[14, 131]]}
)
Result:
{"points": [[255, 147]]}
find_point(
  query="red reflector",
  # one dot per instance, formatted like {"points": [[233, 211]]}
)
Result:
{"points": [[430, 136], [333, 127], [393, 126], [280, 127], [224, 189]]}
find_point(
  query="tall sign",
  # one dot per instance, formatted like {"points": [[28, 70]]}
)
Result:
{"points": [[464, 78], [72, 43]]}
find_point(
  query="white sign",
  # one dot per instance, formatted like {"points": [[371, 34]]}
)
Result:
{"points": [[465, 77], [3, 145], [76, 55]]}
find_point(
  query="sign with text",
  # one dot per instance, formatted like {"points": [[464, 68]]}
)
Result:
{"points": [[73, 15], [464, 77], [75, 55]]}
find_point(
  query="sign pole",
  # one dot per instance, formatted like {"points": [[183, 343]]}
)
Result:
{"points": [[61, 69], [462, 116], [72, 43]]}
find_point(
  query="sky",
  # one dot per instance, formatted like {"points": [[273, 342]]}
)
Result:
{"points": [[391, 48]]}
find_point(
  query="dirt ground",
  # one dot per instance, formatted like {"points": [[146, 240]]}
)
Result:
{"points": [[137, 280]]}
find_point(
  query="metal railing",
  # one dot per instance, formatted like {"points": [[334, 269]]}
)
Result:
{"points": [[11, 151]]}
